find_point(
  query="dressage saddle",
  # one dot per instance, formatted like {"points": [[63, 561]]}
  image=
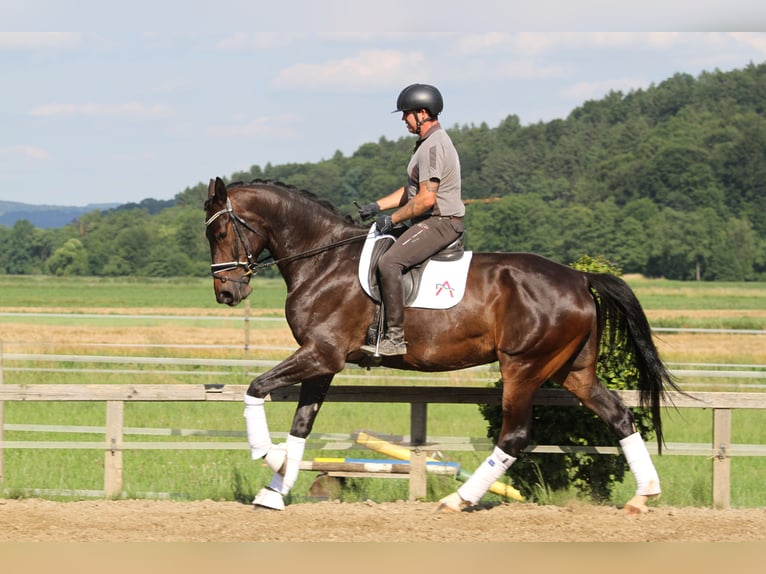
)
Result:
{"points": [[411, 279]]}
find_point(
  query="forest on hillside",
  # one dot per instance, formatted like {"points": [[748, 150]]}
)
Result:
{"points": [[667, 181]]}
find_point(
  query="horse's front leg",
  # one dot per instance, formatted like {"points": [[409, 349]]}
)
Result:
{"points": [[284, 459]]}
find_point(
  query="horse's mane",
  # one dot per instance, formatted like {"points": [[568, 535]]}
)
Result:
{"points": [[290, 189]]}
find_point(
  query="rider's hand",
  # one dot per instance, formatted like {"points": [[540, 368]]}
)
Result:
{"points": [[384, 224], [368, 211]]}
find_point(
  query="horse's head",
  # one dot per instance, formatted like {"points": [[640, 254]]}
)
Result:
{"points": [[234, 245]]}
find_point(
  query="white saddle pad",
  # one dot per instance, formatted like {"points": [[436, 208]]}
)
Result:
{"points": [[442, 284]]}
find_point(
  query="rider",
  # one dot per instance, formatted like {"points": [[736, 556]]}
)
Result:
{"points": [[431, 200]]}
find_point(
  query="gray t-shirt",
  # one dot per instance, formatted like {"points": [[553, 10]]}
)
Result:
{"points": [[435, 157]]}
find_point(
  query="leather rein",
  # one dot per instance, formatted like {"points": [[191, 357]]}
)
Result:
{"points": [[251, 265]]}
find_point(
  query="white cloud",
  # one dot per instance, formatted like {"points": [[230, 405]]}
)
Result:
{"points": [[749, 39], [133, 110], [34, 40], [24, 152], [370, 69]]}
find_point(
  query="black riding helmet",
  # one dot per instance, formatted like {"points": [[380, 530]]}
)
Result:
{"points": [[420, 96]]}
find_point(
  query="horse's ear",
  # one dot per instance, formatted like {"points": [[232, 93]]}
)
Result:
{"points": [[218, 188]]}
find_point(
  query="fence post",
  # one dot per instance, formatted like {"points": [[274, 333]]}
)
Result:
{"points": [[418, 484], [721, 459], [247, 336], [115, 414], [418, 423]]}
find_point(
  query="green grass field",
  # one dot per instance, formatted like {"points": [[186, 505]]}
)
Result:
{"points": [[107, 292], [230, 474]]}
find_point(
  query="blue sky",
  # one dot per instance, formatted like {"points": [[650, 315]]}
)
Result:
{"points": [[117, 115]]}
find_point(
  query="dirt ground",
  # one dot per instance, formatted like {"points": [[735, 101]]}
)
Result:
{"points": [[34, 520]]}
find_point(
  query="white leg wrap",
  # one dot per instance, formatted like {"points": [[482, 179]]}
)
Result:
{"points": [[257, 428], [275, 458], [283, 482], [493, 467], [640, 463]]}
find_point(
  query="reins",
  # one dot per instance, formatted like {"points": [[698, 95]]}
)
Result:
{"points": [[254, 267]]}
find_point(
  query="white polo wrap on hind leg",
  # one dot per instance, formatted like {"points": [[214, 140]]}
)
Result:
{"points": [[282, 482], [493, 467], [641, 465]]}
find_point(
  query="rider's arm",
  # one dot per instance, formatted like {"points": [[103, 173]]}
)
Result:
{"points": [[395, 199], [421, 204]]}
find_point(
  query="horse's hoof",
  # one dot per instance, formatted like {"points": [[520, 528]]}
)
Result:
{"points": [[637, 505], [452, 503], [270, 499]]}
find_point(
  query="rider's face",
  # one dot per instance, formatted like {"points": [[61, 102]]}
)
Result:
{"points": [[411, 119]]}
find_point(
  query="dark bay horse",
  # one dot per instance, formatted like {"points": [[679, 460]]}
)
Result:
{"points": [[538, 319]]}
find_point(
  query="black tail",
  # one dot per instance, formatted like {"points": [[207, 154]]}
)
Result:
{"points": [[621, 316]]}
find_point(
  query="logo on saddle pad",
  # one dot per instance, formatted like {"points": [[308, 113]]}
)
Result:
{"points": [[439, 283]]}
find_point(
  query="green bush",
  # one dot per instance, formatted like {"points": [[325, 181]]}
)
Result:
{"points": [[591, 475]]}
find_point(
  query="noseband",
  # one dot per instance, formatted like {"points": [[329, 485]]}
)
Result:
{"points": [[251, 266]]}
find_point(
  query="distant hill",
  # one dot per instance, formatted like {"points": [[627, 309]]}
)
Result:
{"points": [[46, 216]]}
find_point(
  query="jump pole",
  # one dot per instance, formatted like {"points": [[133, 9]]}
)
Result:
{"points": [[402, 453]]}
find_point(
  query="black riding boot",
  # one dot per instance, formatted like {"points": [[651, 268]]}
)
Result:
{"points": [[393, 342]]}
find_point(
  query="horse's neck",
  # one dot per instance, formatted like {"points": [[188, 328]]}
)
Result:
{"points": [[303, 235], [303, 240]]}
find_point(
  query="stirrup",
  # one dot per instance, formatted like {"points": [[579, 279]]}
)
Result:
{"points": [[391, 348]]}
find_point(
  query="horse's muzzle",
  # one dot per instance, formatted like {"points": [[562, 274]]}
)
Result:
{"points": [[231, 294]]}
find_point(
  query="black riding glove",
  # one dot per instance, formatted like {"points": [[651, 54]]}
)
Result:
{"points": [[368, 211], [384, 224]]}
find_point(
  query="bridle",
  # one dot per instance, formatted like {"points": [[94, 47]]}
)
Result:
{"points": [[251, 265]]}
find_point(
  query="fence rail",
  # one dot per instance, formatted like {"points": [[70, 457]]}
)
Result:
{"points": [[419, 397]]}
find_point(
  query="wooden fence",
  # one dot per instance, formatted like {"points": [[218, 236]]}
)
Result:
{"points": [[115, 396]]}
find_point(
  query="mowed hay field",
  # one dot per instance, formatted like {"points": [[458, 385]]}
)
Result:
{"points": [[674, 347], [667, 304], [743, 349], [172, 330]]}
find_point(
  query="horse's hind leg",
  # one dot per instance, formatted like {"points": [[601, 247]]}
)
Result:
{"points": [[609, 408], [514, 437]]}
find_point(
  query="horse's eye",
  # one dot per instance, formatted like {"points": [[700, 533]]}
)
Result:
{"points": [[220, 236]]}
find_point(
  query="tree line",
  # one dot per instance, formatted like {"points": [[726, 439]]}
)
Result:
{"points": [[667, 181]]}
